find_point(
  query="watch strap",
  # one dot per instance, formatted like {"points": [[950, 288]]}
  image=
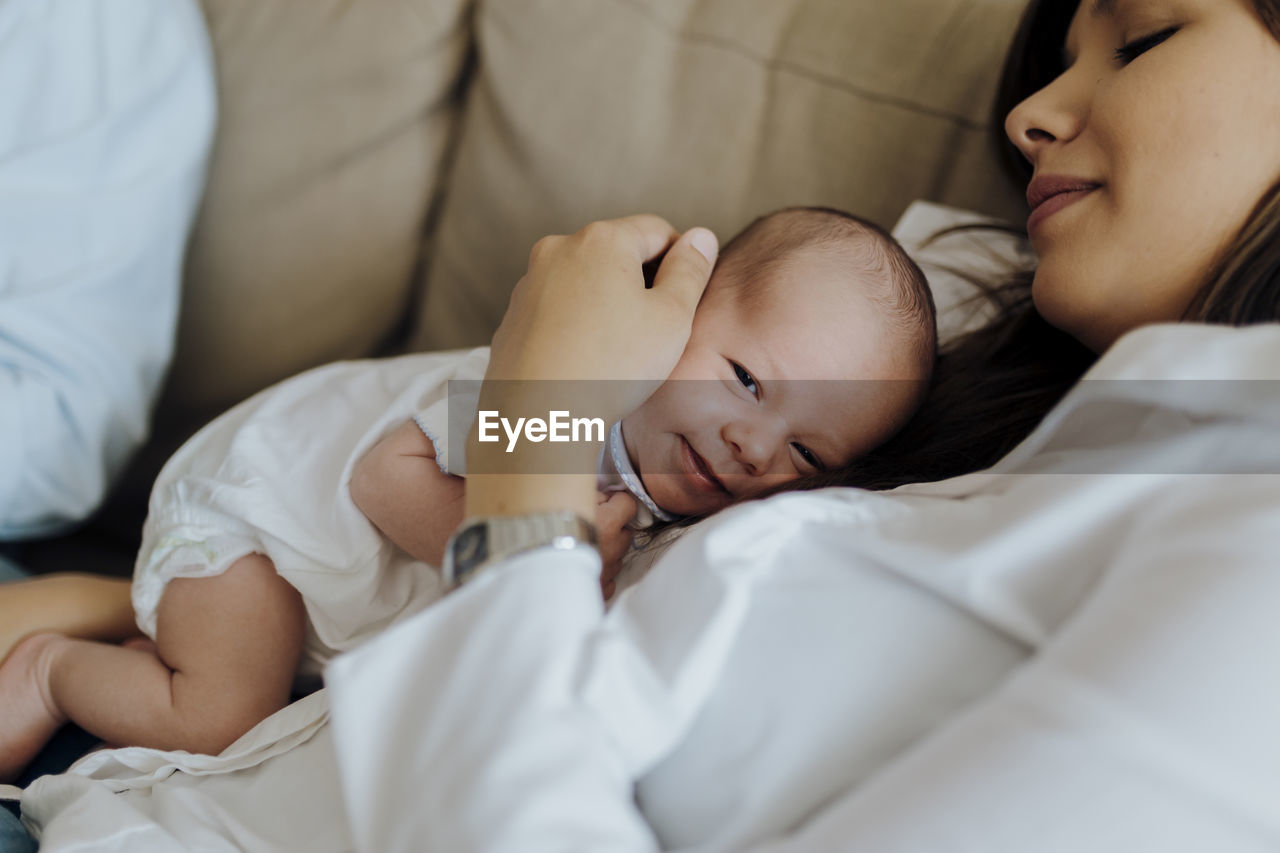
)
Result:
{"points": [[483, 541]]}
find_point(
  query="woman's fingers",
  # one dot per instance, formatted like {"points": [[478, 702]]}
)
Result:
{"points": [[582, 312], [653, 234], [686, 269]]}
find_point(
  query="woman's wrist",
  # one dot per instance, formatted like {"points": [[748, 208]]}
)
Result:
{"points": [[529, 478], [524, 494]]}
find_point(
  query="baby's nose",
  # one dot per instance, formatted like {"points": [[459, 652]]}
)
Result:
{"points": [[755, 444]]}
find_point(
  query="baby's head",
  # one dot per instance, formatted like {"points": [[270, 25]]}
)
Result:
{"points": [[812, 344]]}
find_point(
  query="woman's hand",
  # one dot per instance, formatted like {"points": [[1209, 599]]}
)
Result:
{"points": [[582, 312]]}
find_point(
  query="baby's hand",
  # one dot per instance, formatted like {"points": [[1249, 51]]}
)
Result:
{"points": [[613, 512]]}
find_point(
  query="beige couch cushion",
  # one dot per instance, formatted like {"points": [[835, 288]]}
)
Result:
{"points": [[333, 120], [707, 112]]}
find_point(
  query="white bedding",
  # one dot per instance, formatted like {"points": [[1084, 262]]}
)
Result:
{"points": [[1041, 657]]}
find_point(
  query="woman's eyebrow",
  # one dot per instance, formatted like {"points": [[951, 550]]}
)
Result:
{"points": [[1099, 9]]}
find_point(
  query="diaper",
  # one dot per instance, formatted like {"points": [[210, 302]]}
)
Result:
{"points": [[270, 477]]}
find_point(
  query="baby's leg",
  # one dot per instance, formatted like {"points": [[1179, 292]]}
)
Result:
{"points": [[227, 650], [78, 605]]}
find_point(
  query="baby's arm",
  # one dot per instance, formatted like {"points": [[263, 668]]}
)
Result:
{"points": [[400, 488]]}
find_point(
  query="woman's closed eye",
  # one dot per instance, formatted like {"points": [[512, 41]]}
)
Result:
{"points": [[1134, 48], [746, 379]]}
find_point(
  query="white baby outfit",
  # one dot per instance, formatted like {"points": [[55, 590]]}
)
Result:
{"points": [[270, 476]]}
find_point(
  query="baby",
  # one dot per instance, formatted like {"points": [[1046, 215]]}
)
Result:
{"points": [[296, 525]]}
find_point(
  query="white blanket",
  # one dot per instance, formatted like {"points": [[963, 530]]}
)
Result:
{"points": [[1075, 650]]}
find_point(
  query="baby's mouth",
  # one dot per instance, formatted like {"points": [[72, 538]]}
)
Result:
{"points": [[698, 471]]}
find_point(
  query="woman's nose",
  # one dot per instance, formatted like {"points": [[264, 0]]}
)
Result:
{"points": [[1055, 114]]}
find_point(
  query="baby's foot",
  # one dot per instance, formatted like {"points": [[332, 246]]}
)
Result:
{"points": [[28, 717]]}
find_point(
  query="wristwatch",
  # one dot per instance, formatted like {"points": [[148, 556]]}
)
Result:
{"points": [[482, 541]]}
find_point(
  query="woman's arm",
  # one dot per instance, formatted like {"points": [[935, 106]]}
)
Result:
{"points": [[572, 317], [402, 491], [462, 729], [513, 758]]}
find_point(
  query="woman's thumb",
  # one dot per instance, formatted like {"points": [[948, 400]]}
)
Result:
{"points": [[686, 269]]}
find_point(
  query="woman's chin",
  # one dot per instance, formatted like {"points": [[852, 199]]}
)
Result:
{"points": [[1065, 309]]}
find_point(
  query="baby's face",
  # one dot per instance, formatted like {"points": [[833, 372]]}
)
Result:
{"points": [[804, 375]]}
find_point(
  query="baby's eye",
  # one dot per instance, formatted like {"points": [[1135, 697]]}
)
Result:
{"points": [[807, 455], [745, 378]]}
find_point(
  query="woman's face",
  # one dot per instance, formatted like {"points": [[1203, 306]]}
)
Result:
{"points": [[1150, 151]]}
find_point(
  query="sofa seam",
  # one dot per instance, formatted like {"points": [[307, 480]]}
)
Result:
{"points": [[808, 73]]}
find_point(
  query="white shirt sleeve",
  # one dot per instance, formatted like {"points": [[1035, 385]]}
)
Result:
{"points": [[462, 729], [106, 119]]}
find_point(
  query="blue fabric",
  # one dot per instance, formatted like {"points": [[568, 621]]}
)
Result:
{"points": [[9, 570], [14, 837], [101, 169]]}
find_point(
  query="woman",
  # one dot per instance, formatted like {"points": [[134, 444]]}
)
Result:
{"points": [[1044, 661]]}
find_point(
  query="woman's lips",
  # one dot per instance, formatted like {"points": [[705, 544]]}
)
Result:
{"points": [[697, 470], [1054, 203]]}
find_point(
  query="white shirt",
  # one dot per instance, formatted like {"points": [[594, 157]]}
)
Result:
{"points": [[106, 117], [1074, 651]]}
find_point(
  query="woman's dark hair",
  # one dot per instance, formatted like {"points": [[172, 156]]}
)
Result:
{"points": [[993, 386]]}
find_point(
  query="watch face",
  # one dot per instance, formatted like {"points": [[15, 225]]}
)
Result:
{"points": [[470, 548]]}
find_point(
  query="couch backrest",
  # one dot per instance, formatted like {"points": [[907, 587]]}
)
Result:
{"points": [[323, 237], [333, 120], [708, 112]]}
